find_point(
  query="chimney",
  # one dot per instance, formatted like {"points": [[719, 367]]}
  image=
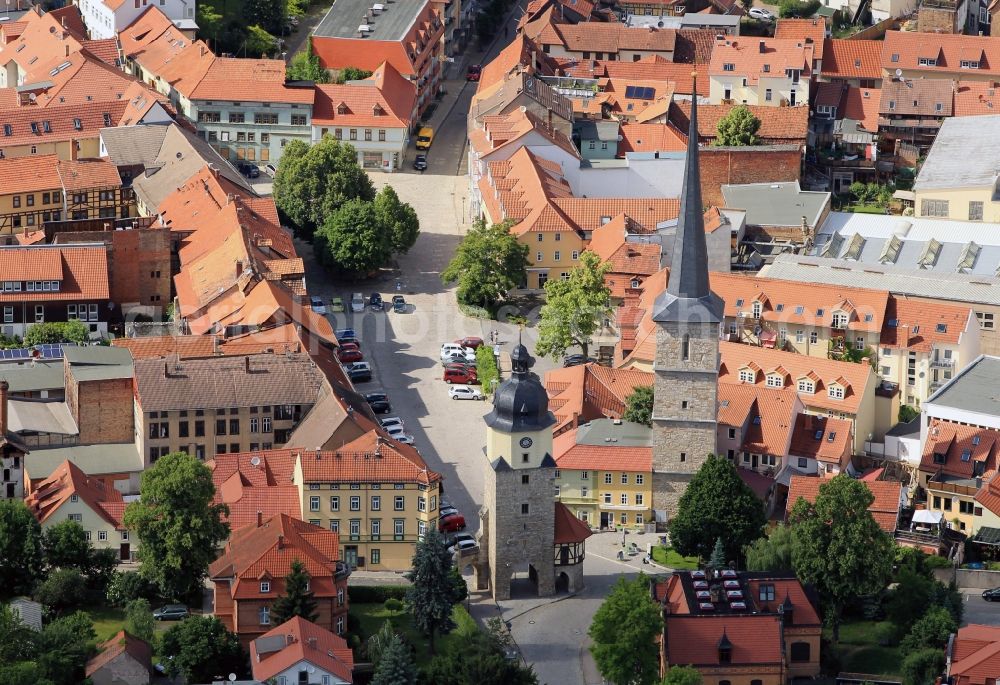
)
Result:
{"points": [[67, 47], [202, 50], [247, 362], [4, 387], [761, 44], [166, 369], [281, 542], [260, 518], [239, 267]]}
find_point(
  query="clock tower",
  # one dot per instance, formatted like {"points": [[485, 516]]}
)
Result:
{"points": [[518, 514]]}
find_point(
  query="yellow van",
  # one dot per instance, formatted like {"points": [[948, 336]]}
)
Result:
{"points": [[425, 137]]}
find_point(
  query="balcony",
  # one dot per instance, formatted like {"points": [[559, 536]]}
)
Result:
{"points": [[941, 363]]}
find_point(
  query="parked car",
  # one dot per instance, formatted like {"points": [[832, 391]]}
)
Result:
{"points": [[449, 524], [357, 303], [425, 137], [473, 72], [379, 402], [345, 333], [317, 305], [390, 421], [455, 538], [455, 357], [349, 345], [359, 372], [576, 360], [399, 435], [761, 14], [248, 170], [464, 392], [420, 162], [447, 511], [398, 304], [472, 342], [451, 350], [376, 302], [171, 612], [463, 546], [337, 304], [459, 374], [991, 595], [270, 170], [350, 355], [349, 341]]}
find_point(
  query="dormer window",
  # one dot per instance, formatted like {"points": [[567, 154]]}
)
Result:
{"points": [[747, 376], [739, 302], [807, 386], [840, 320], [757, 307], [767, 68], [939, 457], [725, 649], [835, 392], [775, 380], [265, 587], [729, 66], [377, 110], [928, 61], [342, 108], [970, 64]]}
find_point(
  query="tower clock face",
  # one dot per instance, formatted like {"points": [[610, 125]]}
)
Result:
{"points": [[525, 443]]}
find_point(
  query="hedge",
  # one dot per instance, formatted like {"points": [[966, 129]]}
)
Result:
{"points": [[375, 594]]}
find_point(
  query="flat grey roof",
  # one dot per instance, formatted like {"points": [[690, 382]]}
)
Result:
{"points": [[32, 377], [392, 23], [99, 362], [964, 154], [39, 416], [94, 460], [776, 204], [608, 433], [975, 389]]}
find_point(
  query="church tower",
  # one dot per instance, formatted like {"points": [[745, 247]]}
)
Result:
{"points": [[687, 317], [518, 515]]}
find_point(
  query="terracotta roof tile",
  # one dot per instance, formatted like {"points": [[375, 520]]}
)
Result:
{"points": [[861, 104], [305, 642], [570, 455], [568, 528], [385, 99], [105, 49], [120, 643], [62, 122], [828, 94], [922, 325], [800, 29], [976, 656], [753, 63], [638, 137], [694, 639], [694, 46], [591, 391], [959, 451], [256, 483], [649, 68], [87, 174], [852, 59], [68, 480], [917, 97], [833, 444], [905, 49], [884, 508], [974, 98], [777, 124], [81, 270], [372, 458], [236, 78], [768, 413]]}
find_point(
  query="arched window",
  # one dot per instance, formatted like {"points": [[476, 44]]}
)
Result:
{"points": [[800, 651]]}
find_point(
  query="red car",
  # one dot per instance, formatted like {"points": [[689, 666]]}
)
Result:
{"points": [[349, 355], [470, 342], [473, 72], [451, 523], [459, 373]]}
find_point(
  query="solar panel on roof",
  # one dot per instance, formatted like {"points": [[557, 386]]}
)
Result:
{"points": [[630, 91]]}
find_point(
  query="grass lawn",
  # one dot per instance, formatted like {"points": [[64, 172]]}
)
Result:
{"points": [[866, 209], [109, 620], [373, 616], [669, 557], [859, 650]]}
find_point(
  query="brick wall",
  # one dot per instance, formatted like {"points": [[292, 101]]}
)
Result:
{"points": [[103, 409], [935, 20], [764, 164]]}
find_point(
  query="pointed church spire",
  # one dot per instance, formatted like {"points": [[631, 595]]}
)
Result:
{"points": [[689, 295]]}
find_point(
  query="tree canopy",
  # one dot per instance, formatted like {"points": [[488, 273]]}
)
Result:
{"points": [[298, 599], [305, 66], [57, 332], [139, 619], [488, 263], [178, 526], [479, 658], [433, 593], [62, 589], [717, 504], [351, 74], [682, 675], [21, 558], [639, 406], [353, 239], [575, 308], [199, 648], [838, 547], [771, 553], [66, 546], [398, 219], [395, 667], [623, 633], [738, 127]]}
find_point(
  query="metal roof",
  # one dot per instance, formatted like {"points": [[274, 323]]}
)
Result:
{"points": [[776, 204], [939, 285], [93, 460], [616, 434], [391, 23], [964, 154], [30, 376], [974, 389]]}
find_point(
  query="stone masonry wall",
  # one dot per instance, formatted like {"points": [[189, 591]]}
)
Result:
{"points": [[720, 166]]}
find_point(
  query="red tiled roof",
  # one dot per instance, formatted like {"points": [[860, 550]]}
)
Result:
{"points": [[568, 528], [570, 455], [976, 97], [905, 49], [247, 79], [256, 484], [828, 94], [861, 104], [742, 405], [649, 68], [976, 655], [305, 642], [801, 29], [68, 480], [384, 100], [924, 325], [852, 59], [81, 270], [651, 138], [777, 124], [833, 444], [884, 508], [753, 63], [591, 391], [61, 122], [105, 49], [120, 643], [372, 458], [694, 639], [963, 447]]}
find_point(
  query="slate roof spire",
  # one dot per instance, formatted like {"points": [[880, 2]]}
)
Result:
{"points": [[689, 296]]}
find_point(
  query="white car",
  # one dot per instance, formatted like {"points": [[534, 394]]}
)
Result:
{"points": [[317, 305], [399, 435], [463, 546], [761, 13], [464, 392], [357, 303], [391, 421], [450, 352]]}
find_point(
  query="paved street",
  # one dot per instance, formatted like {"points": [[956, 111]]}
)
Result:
{"points": [[978, 610]]}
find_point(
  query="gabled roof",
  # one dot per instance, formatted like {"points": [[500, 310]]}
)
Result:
{"points": [[905, 49], [607, 444], [852, 59], [813, 29], [921, 326], [255, 484], [638, 137], [372, 458], [975, 658], [121, 643], [960, 451], [82, 271], [755, 58], [507, 131], [385, 99], [298, 641], [884, 508], [917, 97], [65, 482], [822, 438], [861, 105], [591, 391], [768, 415], [777, 124], [568, 528]]}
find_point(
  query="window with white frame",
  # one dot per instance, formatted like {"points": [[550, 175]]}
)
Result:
{"points": [[840, 320], [624, 498], [747, 376], [806, 385], [836, 392], [265, 587], [775, 380], [264, 615]]}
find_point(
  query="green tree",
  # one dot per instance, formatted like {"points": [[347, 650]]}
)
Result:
{"points": [[268, 15], [575, 308], [747, 5], [298, 8], [128, 585], [433, 594], [62, 589], [838, 547], [17, 641], [797, 8], [486, 368], [376, 645], [738, 127], [139, 619], [199, 648], [907, 413], [209, 21], [395, 667], [398, 218], [66, 546], [717, 504], [931, 631], [258, 42], [488, 263], [908, 601], [949, 597], [313, 182], [623, 631], [103, 563], [639, 406], [22, 672], [922, 667], [771, 553], [718, 558], [57, 332], [305, 66], [682, 675], [353, 239], [351, 74], [64, 645], [21, 557], [478, 658], [298, 599], [178, 526]]}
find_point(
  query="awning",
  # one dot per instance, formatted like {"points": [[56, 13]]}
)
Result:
{"points": [[768, 338], [988, 536], [924, 516], [905, 195]]}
